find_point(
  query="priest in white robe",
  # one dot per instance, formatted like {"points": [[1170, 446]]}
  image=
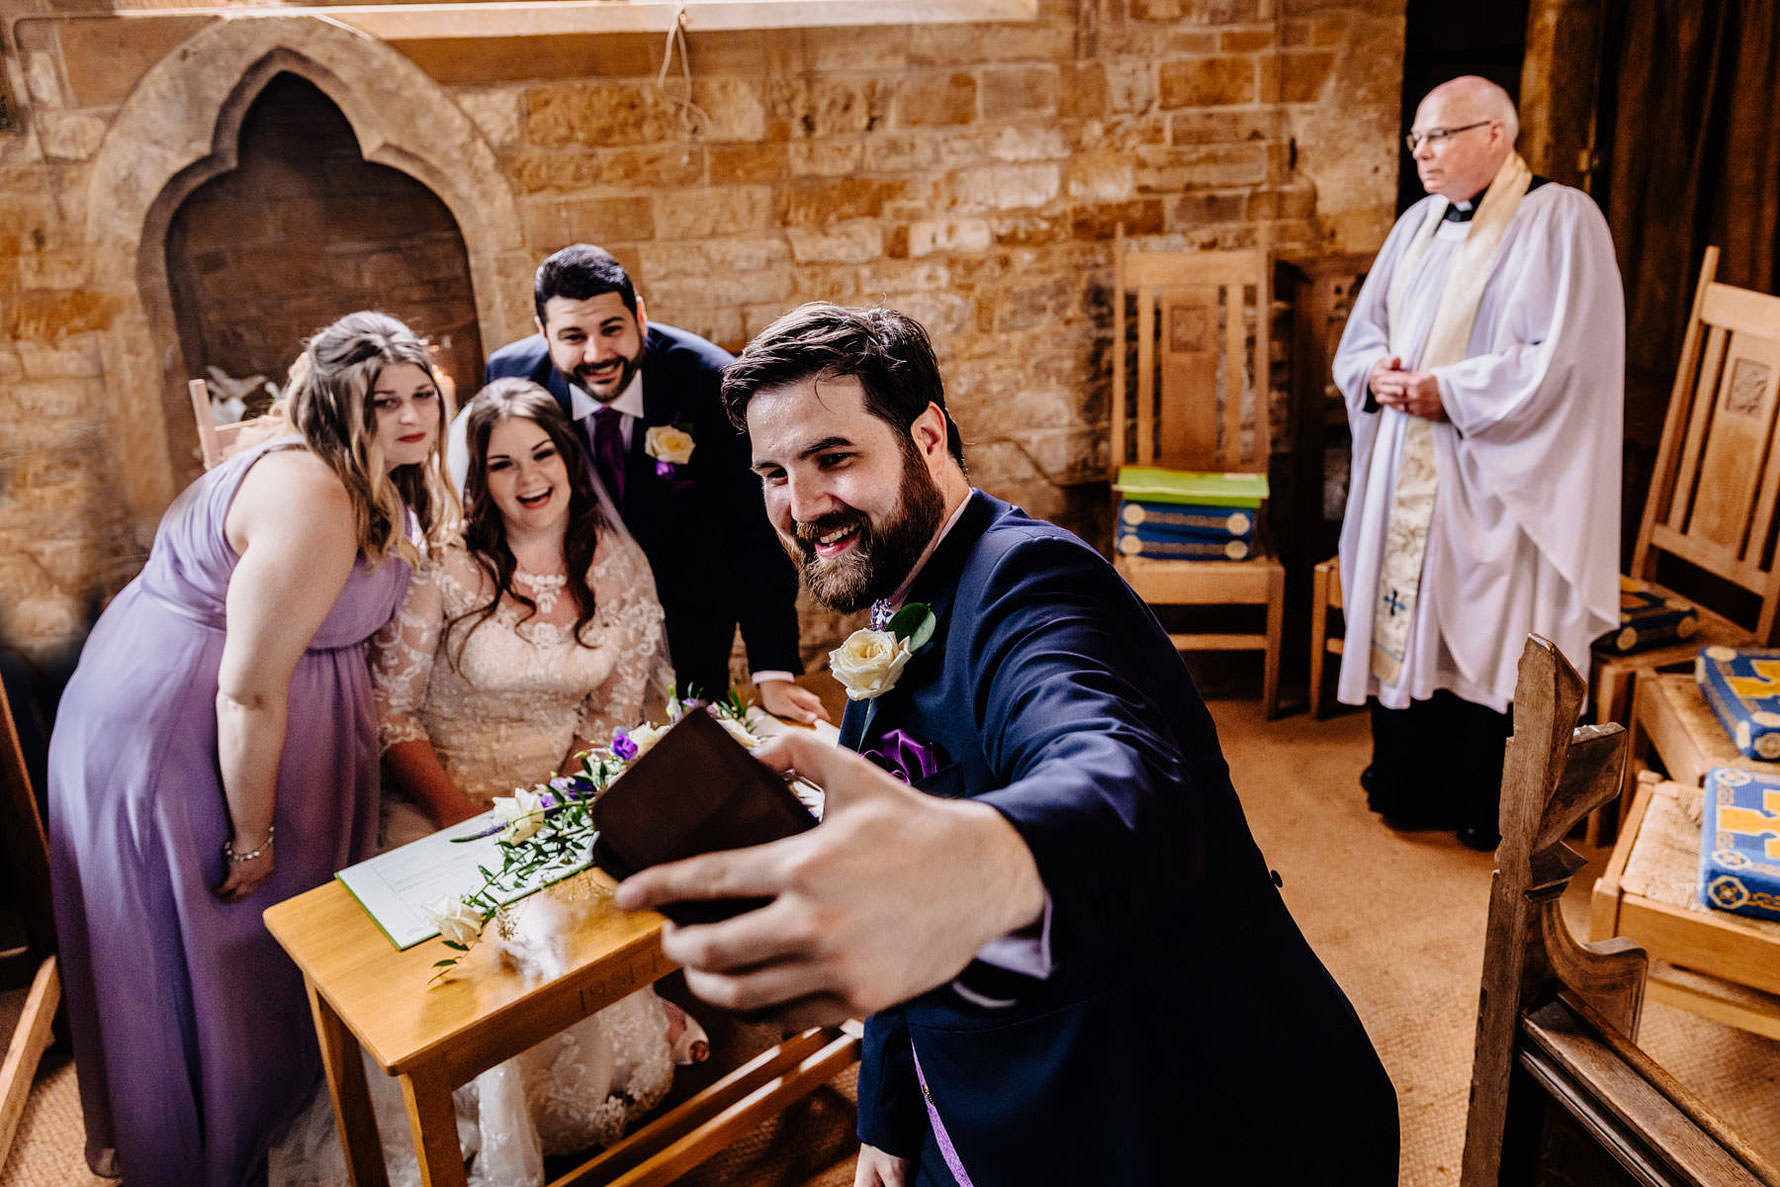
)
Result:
{"points": [[1482, 367]]}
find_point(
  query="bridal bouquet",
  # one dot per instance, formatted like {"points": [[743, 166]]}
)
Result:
{"points": [[546, 831]]}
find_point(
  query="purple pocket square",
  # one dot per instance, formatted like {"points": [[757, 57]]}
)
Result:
{"points": [[904, 757]]}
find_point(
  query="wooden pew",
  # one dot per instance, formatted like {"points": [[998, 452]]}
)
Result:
{"points": [[33, 963], [1560, 1092]]}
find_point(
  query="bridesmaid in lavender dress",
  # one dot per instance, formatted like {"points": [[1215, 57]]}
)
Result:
{"points": [[216, 751]]}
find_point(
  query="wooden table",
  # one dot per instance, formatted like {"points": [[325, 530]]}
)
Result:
{"points": [[365, 994]]}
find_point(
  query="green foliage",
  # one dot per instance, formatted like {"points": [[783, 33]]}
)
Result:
{"points": [[563, 818]]}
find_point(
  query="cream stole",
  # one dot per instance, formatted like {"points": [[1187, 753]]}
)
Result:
{"points": [[1412, 502]]}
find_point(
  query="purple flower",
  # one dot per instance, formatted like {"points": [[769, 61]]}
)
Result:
{"points": [[622, 747], [664, 469]]}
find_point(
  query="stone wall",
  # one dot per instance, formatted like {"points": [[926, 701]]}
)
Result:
{"points": [[971, 175]]}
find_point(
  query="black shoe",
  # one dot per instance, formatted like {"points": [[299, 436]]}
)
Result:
{"points": [[1483, 840], [1412, 821], [1369, 784]]}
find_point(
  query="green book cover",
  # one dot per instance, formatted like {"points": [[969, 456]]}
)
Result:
{"points": [[1154, 485]]}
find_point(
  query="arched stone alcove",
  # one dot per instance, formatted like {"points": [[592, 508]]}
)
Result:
{"points": [[302, 231], [180, 128]]}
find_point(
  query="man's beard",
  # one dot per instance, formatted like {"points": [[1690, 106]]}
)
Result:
{"points": [[880, 558], [613, 388]]}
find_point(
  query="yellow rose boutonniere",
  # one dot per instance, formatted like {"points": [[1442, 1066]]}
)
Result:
{"points": [[671, 446]]}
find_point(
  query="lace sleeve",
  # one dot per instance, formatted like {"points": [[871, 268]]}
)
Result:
{"points": [[631, 624], [402, 660]]}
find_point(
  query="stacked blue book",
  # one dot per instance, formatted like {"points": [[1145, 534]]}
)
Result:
{"points": [[1648, 617], [1742, 684], [1740, 843], [1186, 514]]}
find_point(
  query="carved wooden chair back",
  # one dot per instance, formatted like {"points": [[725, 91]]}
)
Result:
{"points": [[215, 441], [1196, 395], [1557, 1019], [1716, 482]]}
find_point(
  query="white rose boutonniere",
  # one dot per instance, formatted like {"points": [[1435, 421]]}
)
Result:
{"points": [[868, 663], [670, 445]]}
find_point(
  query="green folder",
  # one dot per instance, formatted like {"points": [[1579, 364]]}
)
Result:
{"points": [[1149, 484]]}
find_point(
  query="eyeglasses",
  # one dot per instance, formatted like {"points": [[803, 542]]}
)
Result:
{"points": [[1439, 136]]}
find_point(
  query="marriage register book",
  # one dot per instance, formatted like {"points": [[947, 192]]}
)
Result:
{"points": [[395, 887], [696, 790]]}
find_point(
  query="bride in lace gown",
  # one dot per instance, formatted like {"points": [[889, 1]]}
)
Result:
{"points": [[533, 637]]}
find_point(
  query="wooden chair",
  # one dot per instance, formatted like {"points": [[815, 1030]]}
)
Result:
{"points": [[1200, 403], [1322, 293], [34, 963], [1713, 491], [1559, 1090], [1325, 596], [1711, 963], [214, 440], [1716, 479]]}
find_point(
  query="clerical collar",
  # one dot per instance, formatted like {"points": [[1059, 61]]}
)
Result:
{"points": [[1463, 211], [629, 401], [882, 610]]}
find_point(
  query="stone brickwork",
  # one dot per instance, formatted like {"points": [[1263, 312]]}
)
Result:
{"points": [[972, 175]]}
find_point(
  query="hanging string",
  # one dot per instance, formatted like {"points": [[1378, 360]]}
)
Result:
{"points": [[691, 114]]}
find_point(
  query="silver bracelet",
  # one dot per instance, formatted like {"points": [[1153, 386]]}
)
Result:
{"points": [[237, 858]]}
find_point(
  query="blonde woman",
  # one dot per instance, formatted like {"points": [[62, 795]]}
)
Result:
{"points": [[216, 751]]}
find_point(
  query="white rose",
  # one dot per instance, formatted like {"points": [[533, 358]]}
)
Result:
{"points": [[456, 920], [868, 663], [646, 736], [665, 443], [738, 731], [523, 811]]}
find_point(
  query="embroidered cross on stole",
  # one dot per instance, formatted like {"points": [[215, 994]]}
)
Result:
{"points": [[1412, 502]]}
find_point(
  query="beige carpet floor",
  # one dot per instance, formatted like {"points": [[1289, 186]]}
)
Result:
{"points": [[1399, 920]]}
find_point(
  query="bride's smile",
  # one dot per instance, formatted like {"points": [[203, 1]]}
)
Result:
{"points": [[526, 476]]}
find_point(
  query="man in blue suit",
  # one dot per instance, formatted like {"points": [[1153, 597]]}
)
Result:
{"points": [[1077, 965], [642, 392]]}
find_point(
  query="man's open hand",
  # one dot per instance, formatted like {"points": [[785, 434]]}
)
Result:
{"points": [[792, 702]]}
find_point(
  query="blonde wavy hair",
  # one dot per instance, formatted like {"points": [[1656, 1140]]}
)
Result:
{"points": [[328, 402]]}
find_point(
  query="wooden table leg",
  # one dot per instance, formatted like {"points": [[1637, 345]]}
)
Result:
{"points": [[432, 1119], [353, 1117]]}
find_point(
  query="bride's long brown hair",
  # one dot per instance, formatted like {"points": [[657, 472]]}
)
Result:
{"points": [[485, 529]]}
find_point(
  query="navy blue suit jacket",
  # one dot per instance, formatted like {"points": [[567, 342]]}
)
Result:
{"points": [[1187, 1032], [716, 559]]}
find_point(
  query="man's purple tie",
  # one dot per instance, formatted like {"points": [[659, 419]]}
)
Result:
{"points": [[608, 452]]}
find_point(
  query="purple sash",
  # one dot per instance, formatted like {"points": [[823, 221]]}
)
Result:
{"points": [[946, 1150]]}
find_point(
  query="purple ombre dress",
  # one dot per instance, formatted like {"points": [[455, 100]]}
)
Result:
{"points": [[192, 1033]]}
